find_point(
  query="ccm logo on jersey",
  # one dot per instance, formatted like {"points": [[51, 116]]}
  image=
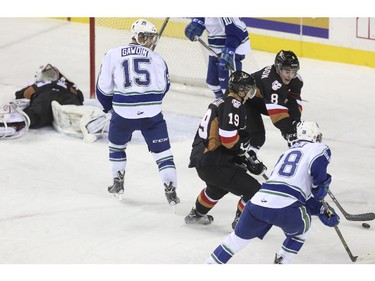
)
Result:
{"points": [[236, 103], [160, 140]]}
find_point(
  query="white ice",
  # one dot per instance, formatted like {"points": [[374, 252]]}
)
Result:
{"points": [[54, 204]]}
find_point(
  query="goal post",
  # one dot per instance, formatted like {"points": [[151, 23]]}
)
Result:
{"points": [[186, 60]]}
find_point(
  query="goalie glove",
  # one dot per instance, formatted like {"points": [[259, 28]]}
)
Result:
{"points": [[195, 29]]}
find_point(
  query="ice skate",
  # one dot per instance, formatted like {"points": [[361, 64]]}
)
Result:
{"points": [[118, 185], [195, 218], [236, 219], [170, 193], [278, 259]]}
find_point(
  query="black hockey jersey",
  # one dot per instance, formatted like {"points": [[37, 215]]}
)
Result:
{"points": [[219, 134], [42, 93], [282, 103]]}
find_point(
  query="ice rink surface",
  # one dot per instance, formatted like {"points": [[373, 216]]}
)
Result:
{"points": [[54, 204]]}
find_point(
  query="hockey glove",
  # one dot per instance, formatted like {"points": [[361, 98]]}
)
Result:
{"points": [[329, 217], [320, 191], [226, 61], [290, 138], [254, 165], [250, 161], [244, 146], [195, 29]]}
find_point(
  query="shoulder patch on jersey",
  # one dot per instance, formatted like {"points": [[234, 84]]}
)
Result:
{"points": [[276, 85], [236, 103], [217, 102]]}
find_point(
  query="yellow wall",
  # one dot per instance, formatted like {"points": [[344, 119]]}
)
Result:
{"points": [[274, 44], [313, 50]]}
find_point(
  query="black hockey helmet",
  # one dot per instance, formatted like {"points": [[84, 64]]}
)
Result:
{"points": [[286, 59], [243, 84]]}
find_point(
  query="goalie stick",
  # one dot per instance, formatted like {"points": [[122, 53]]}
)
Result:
{"points": [[160, 33], [351, 217]]}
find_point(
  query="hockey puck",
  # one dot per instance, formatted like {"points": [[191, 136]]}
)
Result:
{"points": [[365, 225]]}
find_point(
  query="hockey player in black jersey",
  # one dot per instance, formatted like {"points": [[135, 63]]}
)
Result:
{"points": [[278, 96], [220, 146]]}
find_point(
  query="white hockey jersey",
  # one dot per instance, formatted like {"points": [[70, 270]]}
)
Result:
{"points": [[221, 31], [300, 168], [133, 81]]}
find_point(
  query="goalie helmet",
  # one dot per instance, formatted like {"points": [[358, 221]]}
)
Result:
{"points": [[243, 84], [47, 73], [142, 30], [309, 131], [286, 59]]}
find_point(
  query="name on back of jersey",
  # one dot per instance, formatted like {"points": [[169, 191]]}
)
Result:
{"points": [[134, 50]]}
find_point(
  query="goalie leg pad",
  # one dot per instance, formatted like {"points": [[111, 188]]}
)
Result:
{"points": [[71, 120]]}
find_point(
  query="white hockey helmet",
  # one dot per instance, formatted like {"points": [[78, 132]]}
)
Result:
{"points": [[142, 29], [309, 131], [47, 73]]}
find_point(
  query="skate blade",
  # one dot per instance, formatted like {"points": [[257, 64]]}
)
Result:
{"points": [[174, 207], [119, 196]]}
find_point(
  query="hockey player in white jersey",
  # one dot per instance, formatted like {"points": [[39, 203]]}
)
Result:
{"points": [[229, 39], [132, 83], [292, 194]]}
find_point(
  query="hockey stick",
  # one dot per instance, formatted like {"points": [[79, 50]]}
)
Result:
{"points": [[209, 49], [325, 205], [206, 46], [353, 258], [265, 176], [257, 161], [160, 33], [351, 217]]}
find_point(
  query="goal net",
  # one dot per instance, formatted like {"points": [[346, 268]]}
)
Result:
{"points": [[186, 60]]}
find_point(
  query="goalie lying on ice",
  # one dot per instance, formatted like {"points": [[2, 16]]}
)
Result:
{"points": [[83, 121], [33, 108]]}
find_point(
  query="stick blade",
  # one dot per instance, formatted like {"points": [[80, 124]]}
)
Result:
{"points": [[361, 217], [353, 258]]}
